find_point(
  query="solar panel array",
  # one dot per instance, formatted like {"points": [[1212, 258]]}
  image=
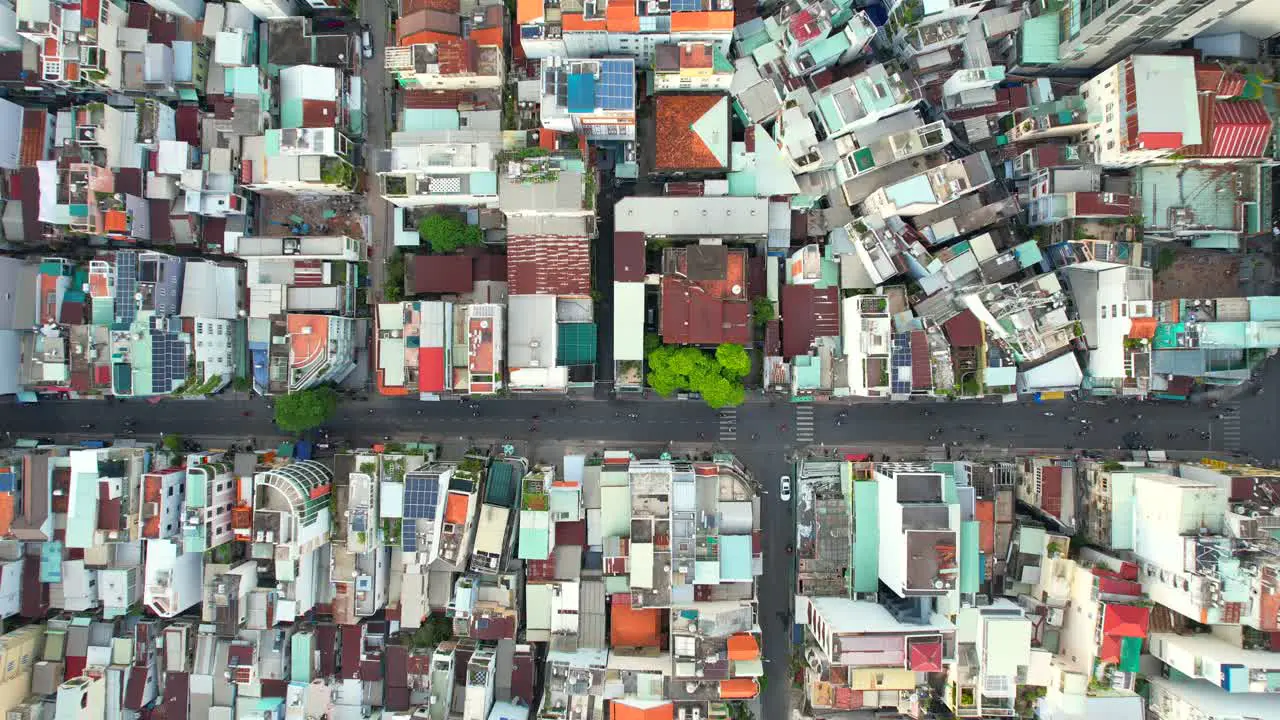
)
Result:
{"points": [[900, 357], [617, 89], [168, 361], [421, 497], [126, 308], [686, 5]]}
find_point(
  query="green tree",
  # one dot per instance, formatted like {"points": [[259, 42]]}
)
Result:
{"points": [[172, 443], [734, 360], [393, 286], [762, 310], [718, 392], [447, 233], [305, 409], [665, 383]]}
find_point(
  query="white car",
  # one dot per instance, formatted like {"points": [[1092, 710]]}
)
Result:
{"points": [[785, 493], [366, 39]]}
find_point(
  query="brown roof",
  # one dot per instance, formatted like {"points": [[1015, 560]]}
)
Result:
{"points": [[136, 683], [807, 314], [397, 671], [129, 181], [921, 368], [327, 644], [161, 230], [176, 696], [522, 674], [461, 56], [319, 113], [628, 257], [548, 265], [678, 146], [351, 642], [690, 315], [489, 266], [449, 6], [187, 119], [441, 274], [963, 330], [273, 688]]}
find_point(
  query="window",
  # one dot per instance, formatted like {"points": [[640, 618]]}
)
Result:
{"points": [[1103, 312], [170, 493], [1124, 311]]}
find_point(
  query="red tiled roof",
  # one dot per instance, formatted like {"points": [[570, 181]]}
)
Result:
{"points": [[1216, 80], [925, 657], [441, 274], [628, 256], [1100, 203], [458, 56], [1051, 490], [1125, 620], [678, 146], [1231, 128], [921, 367], [963, 330], [33, 134], [548, 265]]}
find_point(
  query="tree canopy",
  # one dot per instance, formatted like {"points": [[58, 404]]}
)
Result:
{"points": [[762, 310], [446, 233], [717, 377], [305, 409]]}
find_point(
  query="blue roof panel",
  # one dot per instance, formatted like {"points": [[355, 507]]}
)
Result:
{"points": [[582, 93]]}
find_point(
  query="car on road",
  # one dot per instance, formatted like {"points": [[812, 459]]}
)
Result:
{"points": [[785, 492], [366, 41]]}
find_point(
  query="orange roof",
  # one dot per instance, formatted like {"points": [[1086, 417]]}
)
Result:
{"points": [[487, 36], [424, 37], [739, 688], [619, 711], [6, 512], [743, 647], [634, 627], [694, 21], [621, 17], [528, 11], [575, 21], [1142, 327], [308, 338], [457, 509], [116, 221]]}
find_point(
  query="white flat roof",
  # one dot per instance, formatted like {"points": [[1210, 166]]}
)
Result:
{"points": [[710, 216]]}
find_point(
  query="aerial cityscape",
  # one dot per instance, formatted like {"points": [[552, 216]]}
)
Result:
{"points": [[639, 359]]}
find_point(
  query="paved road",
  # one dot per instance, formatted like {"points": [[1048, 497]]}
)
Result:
{"points": [[379, 121], [764, 435]]}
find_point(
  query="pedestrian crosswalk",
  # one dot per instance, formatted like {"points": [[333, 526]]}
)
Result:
{"points": [[804, 424], [728, 425], [1230, 423]]}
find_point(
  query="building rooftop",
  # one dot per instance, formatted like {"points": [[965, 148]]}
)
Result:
{"points": [[692, 132]]}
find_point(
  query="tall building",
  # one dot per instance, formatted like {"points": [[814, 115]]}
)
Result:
{"points": [[1096, 33]]}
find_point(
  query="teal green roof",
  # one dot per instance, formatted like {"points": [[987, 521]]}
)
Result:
{"points": [[1028, 254], [1130, 651], [577, 344], [501, 488], [51, 562], [424, 120], [564, 501], [735, 558], [484, 183], [866, 536], [1040, 39], [829, 49], [1264, 307], [291, 113], [300, 652], [807, 372], [535, 543], [720, 63], [970, 558]]}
